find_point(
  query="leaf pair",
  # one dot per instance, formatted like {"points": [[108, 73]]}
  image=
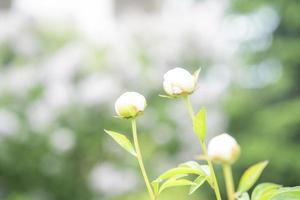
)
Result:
{"points": [[171, 182], [123, 141], [176, 177]]}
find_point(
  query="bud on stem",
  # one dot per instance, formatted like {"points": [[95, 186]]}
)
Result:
{"points": [[130, 104]]}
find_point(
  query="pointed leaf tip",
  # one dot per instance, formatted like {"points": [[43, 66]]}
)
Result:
{"points": [[250, 176], [166, 96], [196, 73], [122, 140], [198, 182]]}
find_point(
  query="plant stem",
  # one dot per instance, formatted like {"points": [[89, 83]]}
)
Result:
{"points": [[204, 149], [229, 181], [189, 107], [140, 159], [212, 171]]}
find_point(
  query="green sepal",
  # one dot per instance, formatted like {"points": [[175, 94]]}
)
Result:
{"points": [[196, 73]]}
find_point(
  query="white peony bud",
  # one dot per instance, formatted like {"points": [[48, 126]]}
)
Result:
{"points": [[130, 104], [179, 81], [223, 148]]}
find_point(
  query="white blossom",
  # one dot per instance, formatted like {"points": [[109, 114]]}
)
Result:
{"points": [[223, 148], [179, 81], [130, 104]]}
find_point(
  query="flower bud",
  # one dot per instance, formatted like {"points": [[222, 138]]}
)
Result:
{"points": [[179, 81], [130, 104], [223, 148]]}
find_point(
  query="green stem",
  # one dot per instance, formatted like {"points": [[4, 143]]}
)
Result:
{"points": [[140, 159], [229, 181], [212, 171], [189, 107], [204, 149]]}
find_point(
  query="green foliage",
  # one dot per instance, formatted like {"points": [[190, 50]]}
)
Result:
{"points": [[196, 73], [200, 124], [289, 193], [179, 171], [266, 120], [264, 191], [271, 191], [122, 140], [197, 183], [166, 96], [250, 176], [174, 182], [244, 196], [172, 177]]}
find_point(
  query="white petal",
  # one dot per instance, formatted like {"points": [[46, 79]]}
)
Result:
{"points": [[179, 80], [223, 147], [130, 100]]}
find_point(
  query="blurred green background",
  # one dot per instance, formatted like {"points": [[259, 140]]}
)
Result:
{"points": [[64, 63]]}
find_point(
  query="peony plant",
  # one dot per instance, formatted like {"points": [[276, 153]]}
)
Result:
{"points": [[222, 149]]}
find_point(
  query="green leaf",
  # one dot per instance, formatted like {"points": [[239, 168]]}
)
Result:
{"points": [[198, 182], [244, 196], [169, 183], [204, 168], [288, 193], [166, 96], [175, 183], [155, 186], [172, 175], [265, 191], [196, 74], [122, 140], [180, 171], [200, 124], [190, 164], [250, 176]]}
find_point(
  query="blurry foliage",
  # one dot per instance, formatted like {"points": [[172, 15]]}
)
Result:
{"points": [[31, 168], [266, 120], [7, 54]]}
